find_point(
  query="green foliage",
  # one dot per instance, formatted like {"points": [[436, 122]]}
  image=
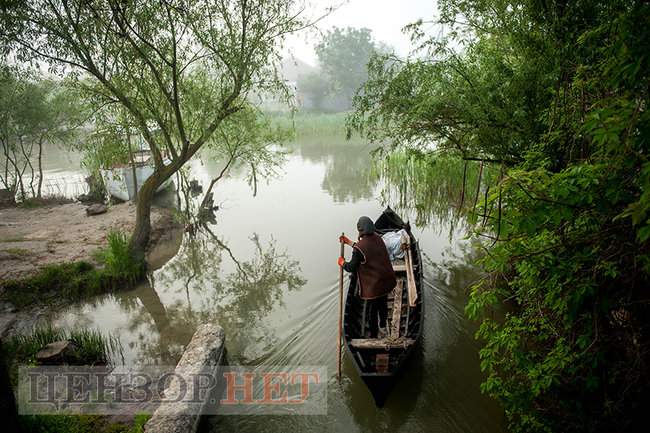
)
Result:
{"points": [[435, 188], [32, 112], [316, 87], [176, 69], [248, 140], [555, 95], [80, 424], [119, 264]]}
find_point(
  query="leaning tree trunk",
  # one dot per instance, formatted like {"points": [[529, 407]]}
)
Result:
{"points": [[142, 230]]}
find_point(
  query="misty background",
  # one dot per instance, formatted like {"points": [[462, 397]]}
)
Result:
{"points": [[326, 64]]}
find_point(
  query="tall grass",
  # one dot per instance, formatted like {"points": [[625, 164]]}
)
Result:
{"points": [[93, 348], [118, 261], [313, 124], [433, 188]]}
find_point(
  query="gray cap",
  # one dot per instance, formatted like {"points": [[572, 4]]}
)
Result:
{"points": [[365, 226]]}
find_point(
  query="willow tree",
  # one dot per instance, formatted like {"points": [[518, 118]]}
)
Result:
{"points": [[179, 68], [554, 96]]}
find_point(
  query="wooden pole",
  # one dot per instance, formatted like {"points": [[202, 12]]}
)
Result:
{"points": [[410, 276], [338, 345]]}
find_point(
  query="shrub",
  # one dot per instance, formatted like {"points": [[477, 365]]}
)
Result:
{"points": [[118, 261]]}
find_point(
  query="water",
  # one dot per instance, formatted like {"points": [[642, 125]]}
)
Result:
{"points": [[62, 175], [266, 271]]}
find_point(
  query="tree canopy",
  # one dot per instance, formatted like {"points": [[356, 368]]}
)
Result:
{"points": [[555, 96], [33, 112], [178, 68], [343, 55]]}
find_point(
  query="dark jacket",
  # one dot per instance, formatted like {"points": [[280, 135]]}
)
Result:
{"points": [[370, 261]]}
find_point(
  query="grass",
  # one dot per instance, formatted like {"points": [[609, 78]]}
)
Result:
{"points": [[66, 281], [93, 347], [80, 424], [117, 259], [78, 280], [313, 124], [14, 239]]}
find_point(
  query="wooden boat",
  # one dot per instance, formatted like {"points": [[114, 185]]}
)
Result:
{"points": [[379, 362], [120, 181]]}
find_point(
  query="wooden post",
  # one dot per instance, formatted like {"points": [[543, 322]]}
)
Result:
{"points": [[338, 345]]}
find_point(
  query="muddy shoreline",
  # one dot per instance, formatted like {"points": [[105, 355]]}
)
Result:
{"points": [[32, 238]]}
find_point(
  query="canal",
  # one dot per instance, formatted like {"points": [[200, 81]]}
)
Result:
{"points": [[265, 270]]}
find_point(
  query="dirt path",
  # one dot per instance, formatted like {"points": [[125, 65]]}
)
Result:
{"points": [[33, 238]]}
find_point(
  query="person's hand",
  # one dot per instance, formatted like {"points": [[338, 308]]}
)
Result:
{"points": [[341, 261], [345, 240]]}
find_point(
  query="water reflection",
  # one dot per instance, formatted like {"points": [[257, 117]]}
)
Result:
{"points": [[348, 176], [237, 299], [264, 268]]}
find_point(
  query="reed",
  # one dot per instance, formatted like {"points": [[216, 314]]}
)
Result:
{"points": [[94, 348], [305, 124], [118, 261]]}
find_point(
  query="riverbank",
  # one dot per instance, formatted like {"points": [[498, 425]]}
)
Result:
{"points": [[32, 238]]}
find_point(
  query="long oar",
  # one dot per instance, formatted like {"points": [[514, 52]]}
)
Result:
{"points": [[338, 345]]}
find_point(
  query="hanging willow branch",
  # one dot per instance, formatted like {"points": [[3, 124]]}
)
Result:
{"points": [[486, 213]]}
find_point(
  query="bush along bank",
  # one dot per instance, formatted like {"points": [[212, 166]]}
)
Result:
{"points": [[78, 280]]}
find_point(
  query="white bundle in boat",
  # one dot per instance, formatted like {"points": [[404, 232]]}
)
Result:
{"points": [[393, 241]]}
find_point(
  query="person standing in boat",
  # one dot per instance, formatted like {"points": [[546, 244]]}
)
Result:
{"points": [[374, 273]]}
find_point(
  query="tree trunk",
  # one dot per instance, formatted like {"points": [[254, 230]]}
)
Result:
{"points": [[142, 230], [140, 236], [133, 170], [40, 167]]}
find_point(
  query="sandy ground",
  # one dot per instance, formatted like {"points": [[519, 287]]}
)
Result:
{"points": [[33, 238]]}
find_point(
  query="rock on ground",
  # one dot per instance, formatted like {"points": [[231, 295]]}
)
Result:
{"points": [[57, 352], [96, 209]]}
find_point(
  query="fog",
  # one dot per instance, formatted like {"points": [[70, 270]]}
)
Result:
{"points": [[385, 18]]}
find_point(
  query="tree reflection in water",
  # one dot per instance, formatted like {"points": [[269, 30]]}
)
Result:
{"points": [[238, 300], [348, 176]]}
